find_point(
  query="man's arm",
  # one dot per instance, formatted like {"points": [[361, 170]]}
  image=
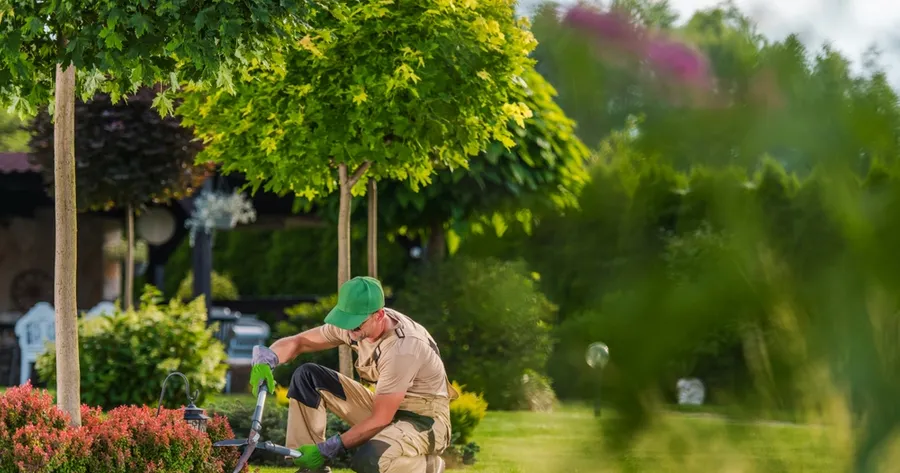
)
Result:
{"points": [[383, 411], [401, 365], [312, 340]]}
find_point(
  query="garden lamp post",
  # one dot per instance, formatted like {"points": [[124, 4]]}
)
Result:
{"points": [[597, 356], [193, 415]]}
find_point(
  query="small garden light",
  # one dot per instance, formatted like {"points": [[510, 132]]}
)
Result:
{"points": [[597, 356], [193, 415]]}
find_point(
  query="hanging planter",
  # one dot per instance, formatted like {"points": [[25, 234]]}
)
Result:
{"points": [[219, 211]]}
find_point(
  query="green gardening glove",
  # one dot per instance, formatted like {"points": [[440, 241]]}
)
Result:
{"points": [[264, 361], [311, 459], [314, 457]]}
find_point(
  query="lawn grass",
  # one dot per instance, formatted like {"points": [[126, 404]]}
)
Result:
{"points": [[569, 440]]}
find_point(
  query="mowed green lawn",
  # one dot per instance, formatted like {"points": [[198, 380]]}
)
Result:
{"points": [[569, 440]]}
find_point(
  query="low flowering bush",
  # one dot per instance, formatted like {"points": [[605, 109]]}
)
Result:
{"points": [[35, 437]]}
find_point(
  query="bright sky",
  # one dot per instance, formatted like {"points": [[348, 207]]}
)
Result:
{"points": [[851, 26]]}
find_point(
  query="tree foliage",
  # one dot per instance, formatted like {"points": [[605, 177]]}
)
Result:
{"points": [[398, 84], [119, 46], [377, 88], [545, 171], [52, 51], [13, 138], [127, 155]]}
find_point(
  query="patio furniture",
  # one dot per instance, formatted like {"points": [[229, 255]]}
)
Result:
{"points": [[34, 330], [246, 333], [226, 320], [103, 308]]}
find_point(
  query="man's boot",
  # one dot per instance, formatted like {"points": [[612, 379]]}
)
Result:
{"points": [[434, 464]]}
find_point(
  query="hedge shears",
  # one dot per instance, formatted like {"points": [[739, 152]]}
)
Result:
{"points": [[251, 443]]}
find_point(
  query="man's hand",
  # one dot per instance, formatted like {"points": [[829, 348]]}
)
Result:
{"points": [[314, 457], [264, 361]]}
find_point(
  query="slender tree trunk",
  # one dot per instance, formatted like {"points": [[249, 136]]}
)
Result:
{"points": [[437, 243], [373, 228], [68, 370], [345, 354], [129, 259]]}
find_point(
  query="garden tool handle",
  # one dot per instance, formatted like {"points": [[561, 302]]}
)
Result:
{"points": [[256, 421], [283, 451]]}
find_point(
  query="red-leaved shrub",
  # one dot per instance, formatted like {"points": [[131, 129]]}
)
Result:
{"points": [[35, 437], [36, 450], [218, 428]]}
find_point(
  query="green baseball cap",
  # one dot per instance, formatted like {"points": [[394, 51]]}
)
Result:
{"points": [[357, 299]]}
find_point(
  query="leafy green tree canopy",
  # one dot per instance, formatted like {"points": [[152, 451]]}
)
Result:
{"points": [[546, 170], [126, 153], [395, 85], [118, 46]]}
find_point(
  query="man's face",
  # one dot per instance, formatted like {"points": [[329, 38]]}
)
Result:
{"points": [[367, 329]]}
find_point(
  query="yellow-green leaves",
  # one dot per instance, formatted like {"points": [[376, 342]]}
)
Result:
{"points": [[538, 165], [407, 86], [307, 43], [517, 112]]}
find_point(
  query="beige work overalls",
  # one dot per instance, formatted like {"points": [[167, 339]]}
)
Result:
{"points": [[420, 430]]}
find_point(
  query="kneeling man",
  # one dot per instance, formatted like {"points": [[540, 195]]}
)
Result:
{"points": [[403, 426]]}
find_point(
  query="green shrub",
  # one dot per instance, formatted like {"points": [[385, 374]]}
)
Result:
{"points": [[466, 412], [239, 413], [489, 320], [274, 427], [537, 393], [126, 356], [303, 317], [222, 287]]}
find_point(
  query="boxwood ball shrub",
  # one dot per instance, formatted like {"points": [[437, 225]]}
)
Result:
{"points": [[491, 322], [126, 356]]}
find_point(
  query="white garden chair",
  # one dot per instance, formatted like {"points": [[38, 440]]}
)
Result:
{"points": [[103, 308], [34, 330]]}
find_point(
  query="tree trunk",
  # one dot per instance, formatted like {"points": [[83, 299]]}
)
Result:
{"points": [[373, 228], [129, 259], [68, 370], [437, 243], [345, 355]]}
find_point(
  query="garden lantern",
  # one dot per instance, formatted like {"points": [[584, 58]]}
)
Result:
{"points": [[193, 415], [597, 356]]}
